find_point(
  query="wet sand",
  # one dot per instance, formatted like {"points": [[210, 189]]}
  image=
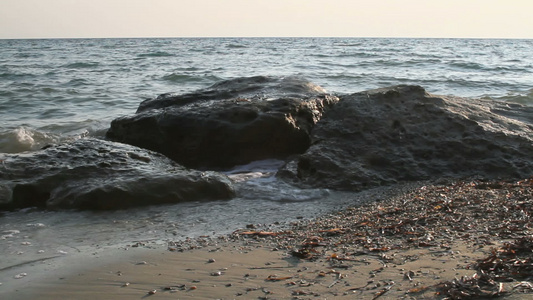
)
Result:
{"points": [[403, 247]]}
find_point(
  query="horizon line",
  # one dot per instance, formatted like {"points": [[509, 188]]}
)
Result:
{"points": [[264, 37]]}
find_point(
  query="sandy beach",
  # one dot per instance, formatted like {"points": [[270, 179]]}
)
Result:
{"points": [[452, 240]]}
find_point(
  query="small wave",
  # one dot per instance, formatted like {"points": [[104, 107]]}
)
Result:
{"points": [[82, 65], [467, 65], [525, 98], [184, 78], [77, 82], [236, 46], [16, 76], [24, 139], [257, 180], [49, 90], [179, 78], [155, 54]]}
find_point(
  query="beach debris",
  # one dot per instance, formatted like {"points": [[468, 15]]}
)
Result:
{"points": [[211, 260], [218, 273], [513, 261], [25, 243], [261, 233], [126, 284], [305, 253], [333, 231], [383, 290], [524, 287], [418, 289], [193, 287], [142, 263], [361, 287], [151, 292], [20, 275], [139, 244], [301, 293], [62, 252], [431, 218], [276, 278], [409, 275]]}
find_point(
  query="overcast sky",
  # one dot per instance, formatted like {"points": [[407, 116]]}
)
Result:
{"points": [[272, 18]]}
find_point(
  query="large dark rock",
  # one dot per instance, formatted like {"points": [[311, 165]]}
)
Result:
{"points": [[232, 123], [403, 133], [95, 174]]}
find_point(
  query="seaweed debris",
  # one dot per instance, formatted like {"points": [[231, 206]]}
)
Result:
{"points": [[430, 216]]}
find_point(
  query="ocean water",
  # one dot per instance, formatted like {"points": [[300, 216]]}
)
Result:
{"points": [[52, 90], [59, 90]]}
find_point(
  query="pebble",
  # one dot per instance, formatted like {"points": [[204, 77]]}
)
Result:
{"points": [[211, 260]]}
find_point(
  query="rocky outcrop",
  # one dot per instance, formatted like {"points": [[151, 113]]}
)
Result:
{"points": [[231, 123], [97, 175], [403, 133]]}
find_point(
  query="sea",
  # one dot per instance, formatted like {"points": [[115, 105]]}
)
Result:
{"points": [[59, 90]]}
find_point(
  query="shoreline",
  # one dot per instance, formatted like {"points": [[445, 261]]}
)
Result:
{"points": [[408, 245]]}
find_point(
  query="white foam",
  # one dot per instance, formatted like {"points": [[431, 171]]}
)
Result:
{"points": [[24, 139]]}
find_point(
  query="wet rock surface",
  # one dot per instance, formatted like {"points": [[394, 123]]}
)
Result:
{"points": [[232, 123], [256, 87], [403, 133], [98, 175]]}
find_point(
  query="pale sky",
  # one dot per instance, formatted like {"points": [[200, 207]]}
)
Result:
{"points": [[266, 18]]}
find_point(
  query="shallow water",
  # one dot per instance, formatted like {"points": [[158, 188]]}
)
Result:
{"points": [[31, 234], [51, 90]]}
